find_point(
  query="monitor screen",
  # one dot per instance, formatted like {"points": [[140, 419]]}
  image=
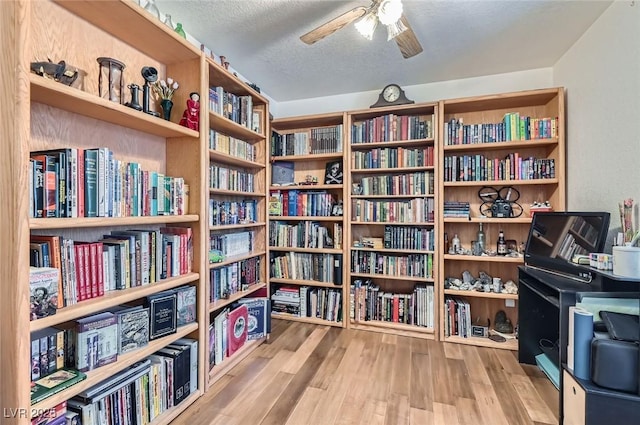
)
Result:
{"points": [[557, 239]]}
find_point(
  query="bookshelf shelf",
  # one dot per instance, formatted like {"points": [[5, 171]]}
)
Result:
{"points": [[306, 218], [233, 160], [510, 344], [390, 170], [395, 143], [533, 143], [218, 75], [394, 325], [403, 251], [170, 414], [535, 114], [219, 370], [226, 126], [482, 258], [58, 95], [418, 195], [389, 223], [111, 299], [85, 222], [218, 304], [312, 320], [309, 157], [301, 282], [308, 187], [394, 329], [536, 182], [310, 250], [392, 277], [125, 360], [236, 258], [481, 294], [236, 226], [236, 193]]}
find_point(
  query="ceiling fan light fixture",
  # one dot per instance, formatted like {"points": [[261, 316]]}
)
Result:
{"points": [[367, 25], [395, 29], [389, 11]]}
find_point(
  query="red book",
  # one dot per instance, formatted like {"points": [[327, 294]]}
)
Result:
{"points": [[80, 272], [237, 322], [396, 309]]}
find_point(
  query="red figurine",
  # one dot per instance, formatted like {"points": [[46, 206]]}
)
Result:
{"points": [[191, 115]]}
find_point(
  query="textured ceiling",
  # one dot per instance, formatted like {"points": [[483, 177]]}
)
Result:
{"points": [[461, 39]]}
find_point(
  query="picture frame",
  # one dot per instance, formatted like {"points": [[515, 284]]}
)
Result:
{"points": [[337, 209], [333, 173]]}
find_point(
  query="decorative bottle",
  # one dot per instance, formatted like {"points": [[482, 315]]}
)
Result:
{"points": [[481, 240], [168, 22], [455, 243], [151, 7], [502, 244], [180, 31]]}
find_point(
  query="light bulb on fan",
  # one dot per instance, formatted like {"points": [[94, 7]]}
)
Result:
{"points": [[395, 29], [390, 11], [367, 25]]}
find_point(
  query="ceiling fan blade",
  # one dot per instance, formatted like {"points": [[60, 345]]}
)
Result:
{"points": [[333, 25], [407, 40]]}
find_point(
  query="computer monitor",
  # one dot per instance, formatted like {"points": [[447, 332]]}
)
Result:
{"points": [[557, 239]]}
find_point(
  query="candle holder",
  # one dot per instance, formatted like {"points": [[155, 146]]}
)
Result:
{"points": [[111, 79]]}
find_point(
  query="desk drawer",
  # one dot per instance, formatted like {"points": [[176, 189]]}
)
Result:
{"points": [[573, 401]]}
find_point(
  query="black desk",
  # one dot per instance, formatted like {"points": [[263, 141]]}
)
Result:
{"points": [[543, 310]]}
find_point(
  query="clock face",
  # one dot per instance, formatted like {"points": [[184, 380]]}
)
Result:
{"points": [[391, 93]]}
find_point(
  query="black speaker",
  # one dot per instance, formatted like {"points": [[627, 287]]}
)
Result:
{"points": [[614, 364]]}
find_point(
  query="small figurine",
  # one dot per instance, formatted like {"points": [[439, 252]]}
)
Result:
{"points": [[191, 115]]}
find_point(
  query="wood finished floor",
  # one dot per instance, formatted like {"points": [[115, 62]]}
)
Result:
{"points": [[320, 375]]}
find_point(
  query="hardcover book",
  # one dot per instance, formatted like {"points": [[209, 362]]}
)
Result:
{"points": [[162, 314], [43, 282], [186, 305], [237, 328], [54, 383], [133, 328], [96, 339], [258, 317], [282, 173]]}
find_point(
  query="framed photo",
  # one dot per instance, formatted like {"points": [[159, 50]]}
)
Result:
{"points": [[333, 173]]}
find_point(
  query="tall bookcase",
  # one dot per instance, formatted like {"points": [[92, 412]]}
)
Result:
{"points": [[237, 123], [392, 219], [507, 140], [307, 221]]}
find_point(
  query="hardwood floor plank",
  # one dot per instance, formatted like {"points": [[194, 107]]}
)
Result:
{"points": [[458, 377], [512, 406], [453, 351], [374, 412], [401, 375], [445, 414], [262, 404], [468, 412], [536, 408], [305, 407], [474, 365], [397, 412], [421, 389], [509, 362], [490, 408], [304, 351], [382, 372], [420, 417]]}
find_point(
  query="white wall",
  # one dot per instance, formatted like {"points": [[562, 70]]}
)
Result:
{"points": [[601, 73], [514, 81]]}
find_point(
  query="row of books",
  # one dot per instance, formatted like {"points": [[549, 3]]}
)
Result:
{"points": [[457, 317], [402, 237], [305, 234], [74, 182], [238, 109], [248, 319], [233, 278], [301, 203], [391, 127], [571, 247], [306, 301], [315, 141], [419, 183], [69, 271], [414, 265], [143, 391], [226, 178], [583, 228], [417, 210], [512, 127], [232, 244], [307, 266], [369, 302], [456, 209], [512, 167], [232, 212], [392, 158], [230, 145]]}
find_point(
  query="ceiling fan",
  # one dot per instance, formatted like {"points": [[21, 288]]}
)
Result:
{"points": [[387, 12]]}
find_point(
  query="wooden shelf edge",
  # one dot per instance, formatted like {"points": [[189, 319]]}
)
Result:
{"points": [[309, 250], [479, 294], [401, 251], [110, 299], [100, 374], [216, 305], [411, 142], [214, 191], [391, 223], [309, 157], [300, 282], [483, 258], [515, 220], [170, 414], [312, 320], [306, 217], [235, 259], [416, 279], [502, 182], [85, 222], [306, 187], [225, 125], [230, 362], [392, 170], [532, 143], [233, 160], [235, 226], [373, 326], [510, 344]]}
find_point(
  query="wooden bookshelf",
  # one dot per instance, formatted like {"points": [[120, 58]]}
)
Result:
{"points": [[492, 109], [316, 130]]}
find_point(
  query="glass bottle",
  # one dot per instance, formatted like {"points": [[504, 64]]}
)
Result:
{"points": [[180, 31], [502, 244], [455, 243], [481, 240], [152, 8], [168, 22]]}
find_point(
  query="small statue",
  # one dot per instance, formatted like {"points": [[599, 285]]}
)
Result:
{"points": [[503, 323], [191, 115]]}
